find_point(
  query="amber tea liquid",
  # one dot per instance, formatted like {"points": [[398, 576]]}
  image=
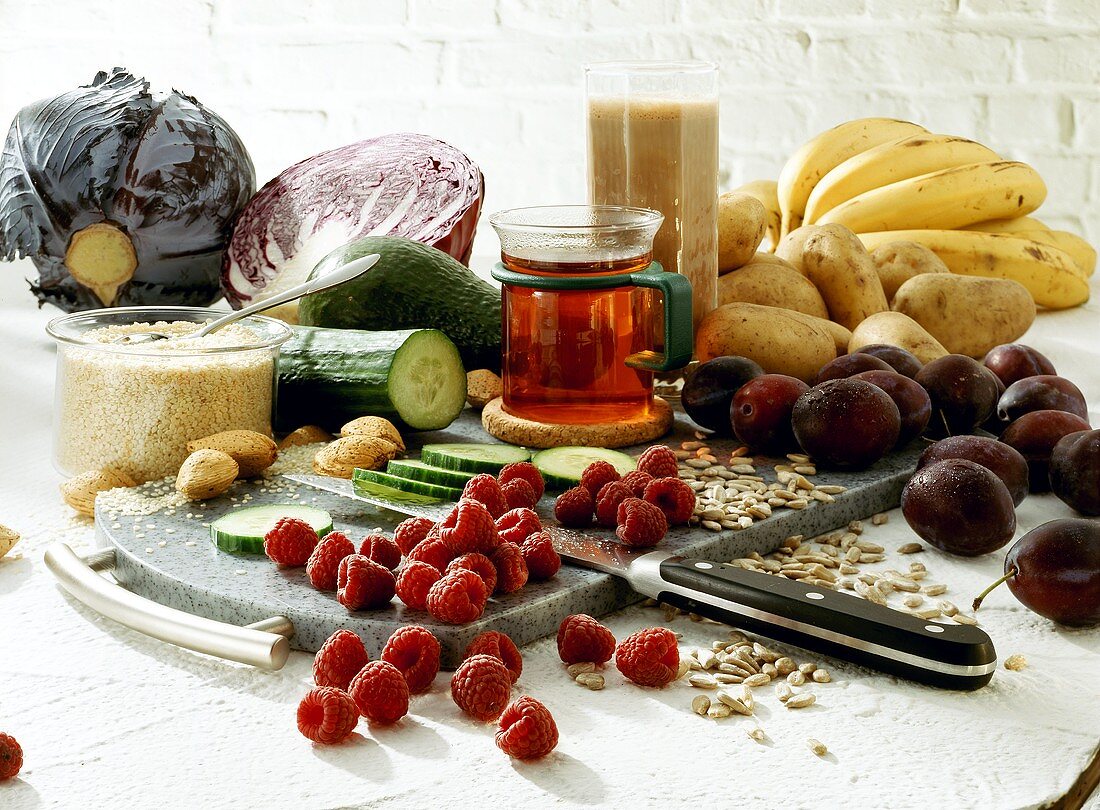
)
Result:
{"points": [[564, 350]]}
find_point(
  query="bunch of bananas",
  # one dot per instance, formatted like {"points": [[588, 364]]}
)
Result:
{"points": [[890, 180]]}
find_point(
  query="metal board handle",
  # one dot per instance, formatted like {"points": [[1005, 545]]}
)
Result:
{"points": [[264, 644]]}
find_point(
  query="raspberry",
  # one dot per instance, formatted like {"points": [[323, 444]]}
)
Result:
{"points": [[517, 525], [290, 542], [481, 686], [527, 729], [523, 470], [659, 461], [324, 562], [673, 497], [339, 660], [607, 503], [574, 507], [597, 474], [380, 693], [511, 568], [650, 657], [470, 527], [432, 551], [459, 597], [381, 549], [637, 481], [541, 558], [414, 651], [410, 532], [519, 494], [498, 645], [327, 715], [11, 757], [480, 565], [641, 523], [363, 583], [485, 490], [413, 582], [582, 638]]}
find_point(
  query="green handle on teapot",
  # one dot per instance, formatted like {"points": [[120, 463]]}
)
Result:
{"points": [[676, 290]]}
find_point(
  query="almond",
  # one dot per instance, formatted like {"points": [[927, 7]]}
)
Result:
{"points": [[482, 387], [306, 434], [253, 452], [206, 473], [80, 492], [8, 539], [340, 458], [374, 426]]}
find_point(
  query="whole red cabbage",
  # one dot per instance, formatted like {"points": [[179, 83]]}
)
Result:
{"points": [[402, 184]]}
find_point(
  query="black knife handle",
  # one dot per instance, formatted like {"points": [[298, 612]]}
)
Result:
{"points": [[831, 622]]}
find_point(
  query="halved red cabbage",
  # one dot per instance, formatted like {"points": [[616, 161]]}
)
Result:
{"points": [[402, 184]]}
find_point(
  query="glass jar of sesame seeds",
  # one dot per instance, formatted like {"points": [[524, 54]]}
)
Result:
{"points": [[134, 407]]}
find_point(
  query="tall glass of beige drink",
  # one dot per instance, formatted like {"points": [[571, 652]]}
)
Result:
{"points": [[653, 143]]}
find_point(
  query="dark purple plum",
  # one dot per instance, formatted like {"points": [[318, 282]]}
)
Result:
{"points": [[1003, 461], [1044, 392], [1075, 471], [959, 507], [761, 412], [1014, 361], [1034, 436], [963, 392], [900, 360], [848, 365], [708, 393], [846, 423], [912, 400], [1054, 570]]}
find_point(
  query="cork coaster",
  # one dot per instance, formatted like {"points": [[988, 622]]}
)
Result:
{"points": [[526, 433]]}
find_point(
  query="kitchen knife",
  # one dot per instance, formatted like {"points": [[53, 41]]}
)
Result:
{"points": [[830, 622]]}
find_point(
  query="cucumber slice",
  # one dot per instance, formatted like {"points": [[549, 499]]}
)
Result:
{"points": [[472, 458], [434, 493], [242, 530], [561, 467], [419, 471]]}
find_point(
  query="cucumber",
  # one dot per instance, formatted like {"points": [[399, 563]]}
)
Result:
{"points": [[242, 530], [419, 471], [472, 458], [561, 467], [402, 489], [331, 376]]}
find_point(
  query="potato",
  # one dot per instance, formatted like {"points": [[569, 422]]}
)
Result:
{"points": [[897, 262], [791, 247], [967, 314], [742, 222], [896, 329], [780, 340], [839, 266], [772, 285], [839, 334], [770, 259]]}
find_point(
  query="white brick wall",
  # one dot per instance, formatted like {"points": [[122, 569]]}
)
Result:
{"points": [[502, 79]]}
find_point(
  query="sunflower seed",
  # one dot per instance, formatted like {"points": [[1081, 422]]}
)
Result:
{"points": [[807, 668], [797, 503], [848, 568], [734, 703], [856, 527], [706, 658], [691, 445], [719, 711], [903, 584], [880, 519], [821, 676], [700, 704], [948, 608], [684, 668], [805, 469], [1015, 663], [852, 555], [912, 600], [756, 733], [697, 463], [700, 680], [927, 613], [591, 680], [934, 590], [714, 526], [726, 679], [817, 746], [796, 678], [785, 666], [831, 489], [801, 700], [733, 669], [747, 698], [579, 669], [910, 548], [760, 679], [783, 691]]}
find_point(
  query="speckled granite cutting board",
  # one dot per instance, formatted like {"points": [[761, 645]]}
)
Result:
{"points": [[200, 579]]}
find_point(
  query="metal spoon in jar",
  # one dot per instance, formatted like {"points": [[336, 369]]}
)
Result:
{"points": [[352, 269]]}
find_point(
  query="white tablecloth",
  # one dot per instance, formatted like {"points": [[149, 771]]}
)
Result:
{"points": [[109, 718]]}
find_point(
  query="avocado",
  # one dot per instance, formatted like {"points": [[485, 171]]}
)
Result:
{"points": [[413, 286]]}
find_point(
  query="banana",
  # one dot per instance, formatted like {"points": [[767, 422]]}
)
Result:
{"points": [[890, 162], [950, 198], [1049, 274], [1017, 225], [765, 191], [815, 158]]}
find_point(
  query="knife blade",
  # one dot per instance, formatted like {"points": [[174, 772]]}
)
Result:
{"points": [[410, 505], [818, 619]]}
